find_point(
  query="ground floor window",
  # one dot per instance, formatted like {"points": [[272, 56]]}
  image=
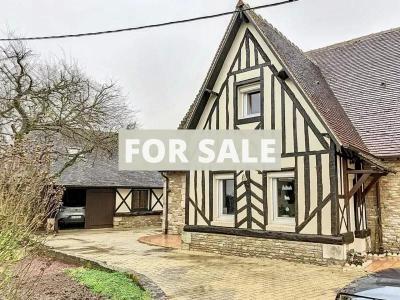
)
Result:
{"points": [[140, 200], [281, 187], [224, 194]]}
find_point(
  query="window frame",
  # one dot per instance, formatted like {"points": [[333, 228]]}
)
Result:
{"points": [[245, 105], [274, 221], [244, 92], [140, 191], [219, 218]]}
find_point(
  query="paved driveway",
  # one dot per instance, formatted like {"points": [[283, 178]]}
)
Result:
{"points": [[189, 275]]}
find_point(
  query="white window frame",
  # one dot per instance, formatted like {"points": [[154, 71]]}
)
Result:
{"points": [[219, 218], [244, 92], [275, 222]]}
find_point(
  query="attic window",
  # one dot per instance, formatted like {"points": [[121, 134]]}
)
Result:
{"points": [[249, 101], [252, 105]]}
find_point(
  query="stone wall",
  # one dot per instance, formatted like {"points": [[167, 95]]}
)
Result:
{"points": [[390, 205], [390, 211], [137, 221], [305, 252], [372, 219], [176, 202]]}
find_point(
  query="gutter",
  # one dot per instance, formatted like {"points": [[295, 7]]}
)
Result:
{"points": [[166, 202]]}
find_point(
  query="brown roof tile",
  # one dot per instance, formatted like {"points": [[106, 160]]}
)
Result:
{"points": [[364, 75]]}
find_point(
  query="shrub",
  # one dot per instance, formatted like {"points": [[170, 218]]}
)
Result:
{"points": [[28, 197]]}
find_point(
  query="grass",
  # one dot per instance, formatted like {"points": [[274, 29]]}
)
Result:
{"points": [[113, 285]]}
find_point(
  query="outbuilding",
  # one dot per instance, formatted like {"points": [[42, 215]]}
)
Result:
{"points": [[113, 198]]}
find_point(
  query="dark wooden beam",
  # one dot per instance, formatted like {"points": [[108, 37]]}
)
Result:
{"points": [[361, 234], [282, 74], [313, 213], [346, 238], [357, 186], [187, 187], [367, 171], [370, 185], [211, 92], [198, 210]]}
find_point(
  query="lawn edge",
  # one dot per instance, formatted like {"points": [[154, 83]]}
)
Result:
{"points": [[143, 281]]}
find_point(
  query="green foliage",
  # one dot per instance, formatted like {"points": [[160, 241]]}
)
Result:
{"points": [[114, 285], [355, 258]]}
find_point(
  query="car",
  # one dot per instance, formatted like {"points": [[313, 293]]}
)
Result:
{"points": [[382, 285], [68, 215]]}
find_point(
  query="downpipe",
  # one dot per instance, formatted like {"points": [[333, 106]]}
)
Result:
{"points": [[166, 202]]}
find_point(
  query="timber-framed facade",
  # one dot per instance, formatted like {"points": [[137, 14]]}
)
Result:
{"points": [[260, 81]]}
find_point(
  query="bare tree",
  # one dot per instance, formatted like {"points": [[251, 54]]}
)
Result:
{"points": [[57, 101]]}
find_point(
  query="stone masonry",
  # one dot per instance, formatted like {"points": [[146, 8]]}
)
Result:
{"points": [[390, 203], [176, 202], [304, 252], [390, 210], [372, 219], [139, 221]]}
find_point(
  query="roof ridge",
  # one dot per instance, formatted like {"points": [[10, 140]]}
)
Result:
{"points": [[352, 41], [277, 30]]}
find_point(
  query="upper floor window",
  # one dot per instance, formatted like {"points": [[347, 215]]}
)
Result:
{"points": [[249, 101], [252, 104]]}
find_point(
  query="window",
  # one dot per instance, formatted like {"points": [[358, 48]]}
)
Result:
{"points": [[284, 198], [252, 104], [249, 101], [281, 187], [227, 196], [224, 199], [140, 200]]}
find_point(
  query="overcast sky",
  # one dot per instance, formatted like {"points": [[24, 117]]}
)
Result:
{"points": [[161, 70]]}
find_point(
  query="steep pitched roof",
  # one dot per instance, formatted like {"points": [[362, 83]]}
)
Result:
{"points": [[364, 74], [300, 68]]}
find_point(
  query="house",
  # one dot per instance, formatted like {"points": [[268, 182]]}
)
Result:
{"points": [[112, 198], [338, 111]]}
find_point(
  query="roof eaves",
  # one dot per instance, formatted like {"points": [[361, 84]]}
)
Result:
{"points": [[186, 121], [372, 159]]}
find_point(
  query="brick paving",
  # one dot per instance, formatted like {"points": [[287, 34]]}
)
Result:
{"points": [[163, 240], [194, 275], [383, 263]]}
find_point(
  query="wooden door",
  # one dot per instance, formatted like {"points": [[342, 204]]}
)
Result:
{"points": [[99, 208]]}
